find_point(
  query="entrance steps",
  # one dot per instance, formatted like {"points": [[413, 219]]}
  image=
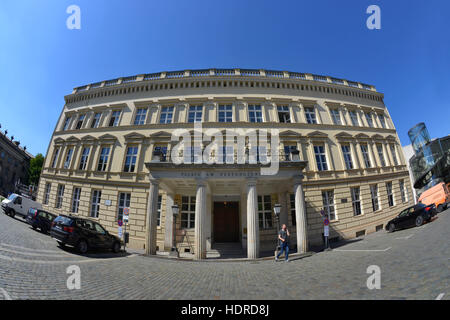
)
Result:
{"points": [[226, 250]]}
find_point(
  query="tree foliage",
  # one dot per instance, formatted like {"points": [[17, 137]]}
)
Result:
{"points": [[35, 168]]}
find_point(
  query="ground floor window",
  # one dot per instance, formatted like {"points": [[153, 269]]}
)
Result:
{"points": [[47, 193], [124, 202], [374, 195], [265, 212], [95, 203], [187, 212], [158, 219], [59, 196], [328, 204], [356, 201], [402, 190], [390, 194], [292, 205], [76, 199]]}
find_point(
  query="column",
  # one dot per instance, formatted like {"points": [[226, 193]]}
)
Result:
{"points": [[169, 223], [300, 216], [282, 198], [200, 218], [252, 220], [152, 215]]}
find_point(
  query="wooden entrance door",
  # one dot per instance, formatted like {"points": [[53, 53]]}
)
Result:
{"points": [[226, 222]]}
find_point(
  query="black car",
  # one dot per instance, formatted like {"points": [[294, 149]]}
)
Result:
{"points": [[40, 219], [412, 216], [83, 234]]}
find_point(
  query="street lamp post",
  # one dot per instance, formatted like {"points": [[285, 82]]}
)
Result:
{"points": [[174, 251], [276, 210]]}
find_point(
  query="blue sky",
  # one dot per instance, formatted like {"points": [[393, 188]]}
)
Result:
{"points": [[41, 60]]}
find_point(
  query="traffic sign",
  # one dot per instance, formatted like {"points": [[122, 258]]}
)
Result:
{"points": [[120, 232], [126, 212], [119, 222], [326, 231], [326, 222]]}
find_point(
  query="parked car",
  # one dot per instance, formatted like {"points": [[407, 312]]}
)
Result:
{"points": [[439, 195], [83, 234], [412, 216], [18, 204], [41, 219]]}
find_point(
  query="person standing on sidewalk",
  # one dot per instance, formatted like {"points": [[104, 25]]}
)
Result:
{"points": [[283, 237]]}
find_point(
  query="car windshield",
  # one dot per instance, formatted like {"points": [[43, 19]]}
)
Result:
{"points": [[66, 221], [12, 197]]}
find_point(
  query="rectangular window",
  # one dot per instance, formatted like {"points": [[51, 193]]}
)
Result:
{"points": [[124, 202], [284, 115], [226, 154], [382, 121], [366, 157], [394, 154], [321, 158], [347, 157], [381, 155], [255, 113], [354, 118], [187, 212], [403, 190], [374, 195], [193, 154], [288, 149], [328, 204], [48, 186], [141, 115], [66, 123], [369, 119], [195, 114], [68, 158], [310, 114], [356, 201], [390, 194], [103, 160], [158, 218], [130, 159], [59, 196], [265, 212], [292, 205], [336, 116], [55, 157], [95, 203], [225, 113], [96, 121], [84, 158], [163, 150], [80, 121], [115, 117], [76, 199], [166, 115]]}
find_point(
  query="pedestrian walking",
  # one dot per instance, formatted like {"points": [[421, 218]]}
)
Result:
{"points": [[283, 237]]}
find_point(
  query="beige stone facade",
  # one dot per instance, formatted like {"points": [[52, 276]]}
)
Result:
{"points": [[343, 131]]}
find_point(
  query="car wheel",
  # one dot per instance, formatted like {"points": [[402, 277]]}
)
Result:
{"points": [[82, 246], [419, 221], [61, 244], [12, 213], [391, 227], [440, 208], [33, 226], [116, 247]]}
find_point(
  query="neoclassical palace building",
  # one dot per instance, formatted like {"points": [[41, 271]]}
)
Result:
{"points": [[337, 150]]}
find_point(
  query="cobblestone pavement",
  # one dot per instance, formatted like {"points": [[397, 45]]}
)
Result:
{"points": [[414, 264]]}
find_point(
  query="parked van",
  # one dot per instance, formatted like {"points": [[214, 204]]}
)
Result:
{"points": [[20, 205], [439, 195]]}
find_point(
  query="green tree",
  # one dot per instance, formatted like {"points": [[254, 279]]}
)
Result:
{"points": [[35, 169]]}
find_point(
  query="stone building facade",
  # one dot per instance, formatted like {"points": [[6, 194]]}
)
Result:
{"points": [[338, 151]]}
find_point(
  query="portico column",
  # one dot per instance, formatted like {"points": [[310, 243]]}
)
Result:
{"points": [[200, 218], [168, 225], [252, 220], [152, 215], [300, 216]]}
